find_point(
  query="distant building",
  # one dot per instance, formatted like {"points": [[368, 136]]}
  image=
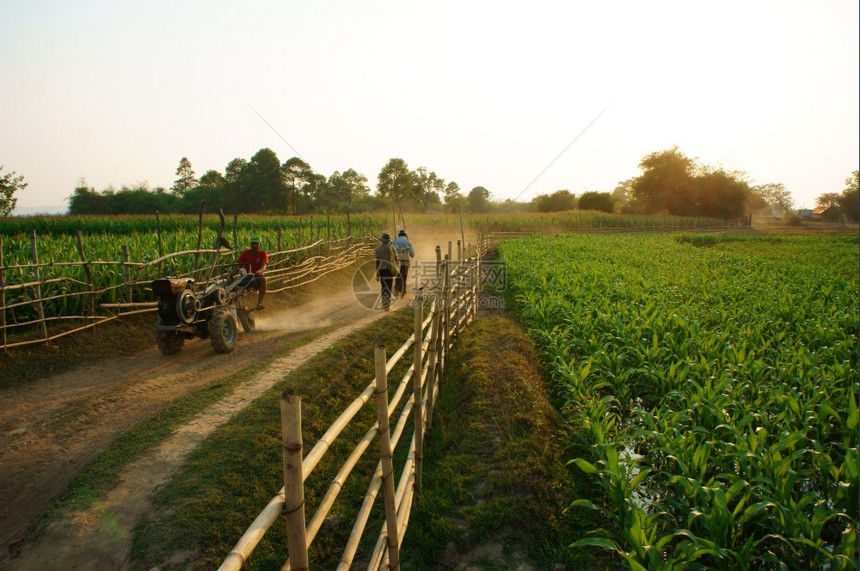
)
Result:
{"points": [[828, 213]]}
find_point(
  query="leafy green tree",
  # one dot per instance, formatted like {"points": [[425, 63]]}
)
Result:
{"points": [[313, 198], [86, 200], [848, 201], [141, 200], [622, 195], [264, 183], [186, 180], [479, 200], [721, 194], [427, 187], [755, 202], [778, 199], [558, 201], [599, 201], [234, 197], [454, 201], [395, 180], [210, 189], [666, 185], [9, 185], [298, 177], [828, 199], [343, 191]]}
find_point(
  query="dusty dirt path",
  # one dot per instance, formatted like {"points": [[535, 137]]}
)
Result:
{"points": [[51, 429]]}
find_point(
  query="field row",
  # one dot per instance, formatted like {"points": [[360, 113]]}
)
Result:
{"points": [[717, 380]]}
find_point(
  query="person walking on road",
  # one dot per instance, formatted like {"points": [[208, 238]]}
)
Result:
{"points": [[404, 250], [255, 261], [386, 268]]}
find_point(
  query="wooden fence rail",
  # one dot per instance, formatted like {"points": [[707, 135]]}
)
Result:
{"points": [[451, 303], [69, 304]]}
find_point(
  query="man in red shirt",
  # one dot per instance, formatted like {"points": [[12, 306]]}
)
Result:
{"points": [[255, 261]]}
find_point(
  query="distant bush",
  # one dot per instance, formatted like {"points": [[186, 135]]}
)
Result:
{"points": [[792, 220]]}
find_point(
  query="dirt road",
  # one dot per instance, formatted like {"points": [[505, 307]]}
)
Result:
{"points": [[51, 429]]}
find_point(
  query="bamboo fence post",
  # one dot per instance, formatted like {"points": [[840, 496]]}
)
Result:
{"points": [[446, 316], [319, 246], [235, 232], [386, 459], [280, 238], [416, 390], [199, 235], [432, 365], [294, 497], [462, 229], [40, 310], [2, 297], [438, 263], [158, 234], [448, 301], [479, 279], [91, 296], [126, 273]]}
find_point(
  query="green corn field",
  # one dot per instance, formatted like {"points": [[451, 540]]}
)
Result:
{"points": [[717, 379], [122, 255]]}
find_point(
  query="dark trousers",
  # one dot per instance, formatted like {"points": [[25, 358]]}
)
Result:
{"points": [[400, 281], [386, 281]]}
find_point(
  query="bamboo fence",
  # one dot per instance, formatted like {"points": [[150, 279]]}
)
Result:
{"points": [[451, 303], [28, 316]]}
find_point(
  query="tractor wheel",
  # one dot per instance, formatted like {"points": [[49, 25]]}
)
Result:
{"points": [[223, 331], [247, 320], [170, 342]]}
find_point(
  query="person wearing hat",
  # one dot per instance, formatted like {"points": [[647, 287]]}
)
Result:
{"points": [[386, 268], [255, 261], [404, 250]]}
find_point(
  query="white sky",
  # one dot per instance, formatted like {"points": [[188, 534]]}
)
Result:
{"points": [[482, 93]]}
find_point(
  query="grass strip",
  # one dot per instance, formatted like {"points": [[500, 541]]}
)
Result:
{"points": [[496, 483]]}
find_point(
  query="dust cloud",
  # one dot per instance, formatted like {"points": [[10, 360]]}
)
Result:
{"points": [[324, 311]]}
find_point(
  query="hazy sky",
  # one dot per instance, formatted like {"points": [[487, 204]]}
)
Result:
{"points": [[482, 93]]}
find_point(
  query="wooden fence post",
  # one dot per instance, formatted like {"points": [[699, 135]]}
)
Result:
{"points": [[40, 310], [91, 297], [199, 235], [478, 281], [432, 365], [126, 273], [446, 316], [294, 495], [2, 298], [158, 234], [386, 458], [417, 393], [236, 232]]}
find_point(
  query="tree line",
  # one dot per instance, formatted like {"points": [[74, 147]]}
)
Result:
{"points": [[670, 183], [673, 184], [264, 185]]}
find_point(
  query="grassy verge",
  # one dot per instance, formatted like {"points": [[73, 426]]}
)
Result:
{"points": [[496, 483]]}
